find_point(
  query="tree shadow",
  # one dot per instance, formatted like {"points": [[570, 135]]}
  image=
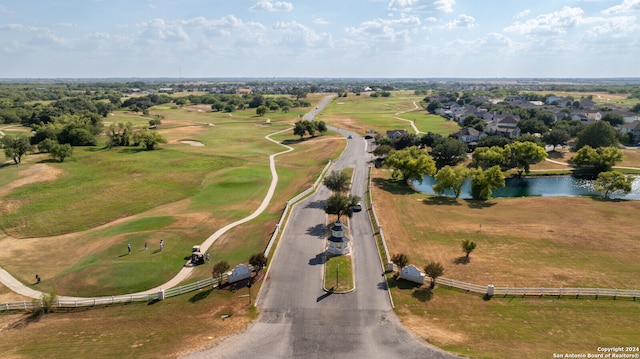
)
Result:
{"points": [[318, 230], [200, 295], [393, 186], [441, 201], [462, 260], [423, 294], [395, 282], [316, 204], [27, 319], [477, 204], [320, 258], [325, 295], [133, 150]]}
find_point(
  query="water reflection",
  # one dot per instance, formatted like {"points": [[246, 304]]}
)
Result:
{"points": [[553, 186]]}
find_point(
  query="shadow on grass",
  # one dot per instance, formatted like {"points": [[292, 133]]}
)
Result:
{"points": [[395, 282], [320, 258], [476, 204], [318, 230], [439, 201], [393, 186], [200, 295], [462, 260], [423, 294], [25, 320], [134, 150]]}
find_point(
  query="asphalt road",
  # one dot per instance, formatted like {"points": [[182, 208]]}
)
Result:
{"points": [[298, 319]]}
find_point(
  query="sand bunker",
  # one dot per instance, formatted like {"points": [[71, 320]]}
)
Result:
{"points": [[193, 143]]}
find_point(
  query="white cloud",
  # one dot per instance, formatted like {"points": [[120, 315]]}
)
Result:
{"points": [[522, 14], [269, 6], [553, 23], [158, 29], [626, 6], [300, 35], [320, 21], [619, 26], [421, 5], [461, 21], [19, 28]]}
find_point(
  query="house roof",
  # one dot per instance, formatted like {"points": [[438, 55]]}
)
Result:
{"points": [[468, 131]]}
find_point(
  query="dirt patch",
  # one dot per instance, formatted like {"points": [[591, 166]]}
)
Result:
{"points": [[37, 173]]}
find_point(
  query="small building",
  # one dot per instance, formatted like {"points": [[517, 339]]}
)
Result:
{"points": [[240, 272], [395, 135], [633, 129], [339, 242], [412, 273]]}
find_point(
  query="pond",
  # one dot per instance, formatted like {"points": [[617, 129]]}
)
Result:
{"points": [[551, 186]]}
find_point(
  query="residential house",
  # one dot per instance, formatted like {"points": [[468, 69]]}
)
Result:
{"points": [[395, 135], [470, 136], [503, 125], [632, 128]]}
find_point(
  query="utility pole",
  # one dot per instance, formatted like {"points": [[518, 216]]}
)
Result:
{"points": [[337, 268]]}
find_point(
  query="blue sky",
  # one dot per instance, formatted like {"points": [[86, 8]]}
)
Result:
{"points": [[321, 39]]}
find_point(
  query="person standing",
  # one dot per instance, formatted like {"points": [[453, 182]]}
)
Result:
{"points": [[161, 244], [129, 248]]}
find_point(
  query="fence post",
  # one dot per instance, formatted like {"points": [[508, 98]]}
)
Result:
{"points": [[490, 290], [597, 292], [615, 294], [578, 293], [161, 294]]}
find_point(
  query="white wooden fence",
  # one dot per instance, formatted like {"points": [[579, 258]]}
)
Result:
{"points": [[68, 303], [541, 292]]}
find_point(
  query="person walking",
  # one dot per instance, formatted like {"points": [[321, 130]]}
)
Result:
{"points": [[145, 246], [37, 278], [129, 248], [161, 244]]}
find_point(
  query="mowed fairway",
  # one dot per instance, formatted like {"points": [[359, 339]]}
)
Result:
{"points": [[74, 227], [523, 242], [363, 113]]}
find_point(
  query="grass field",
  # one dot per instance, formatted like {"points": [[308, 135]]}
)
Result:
{"points": [[75, 228], [523, 242], [363, 113], [338, 274]]}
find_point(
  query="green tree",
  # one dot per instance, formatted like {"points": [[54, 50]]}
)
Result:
{"points": [[451, 178], [486, 157], [261, 110], [613, 118], [601, 159], [483, 182], [340, 204], [597, 134], [15, 147], [611, 182], [382, 151], [337, 181], [321, 126], [61, 151], [219, 269], [532, 125], [449, 152], [523, 154], [556, 137], [546, 116], [258, 261], [468, 247], [149, 139], [46, 145], [299, 129], [410, 164], [400, 260], [433, 270]]}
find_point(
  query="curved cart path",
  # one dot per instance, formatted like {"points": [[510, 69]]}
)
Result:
{"points": [[15, 285]]}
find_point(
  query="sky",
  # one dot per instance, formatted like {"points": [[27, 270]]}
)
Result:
{"points": [[320, 38]]}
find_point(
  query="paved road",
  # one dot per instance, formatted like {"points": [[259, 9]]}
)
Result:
{"points": [[298, 319]]}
